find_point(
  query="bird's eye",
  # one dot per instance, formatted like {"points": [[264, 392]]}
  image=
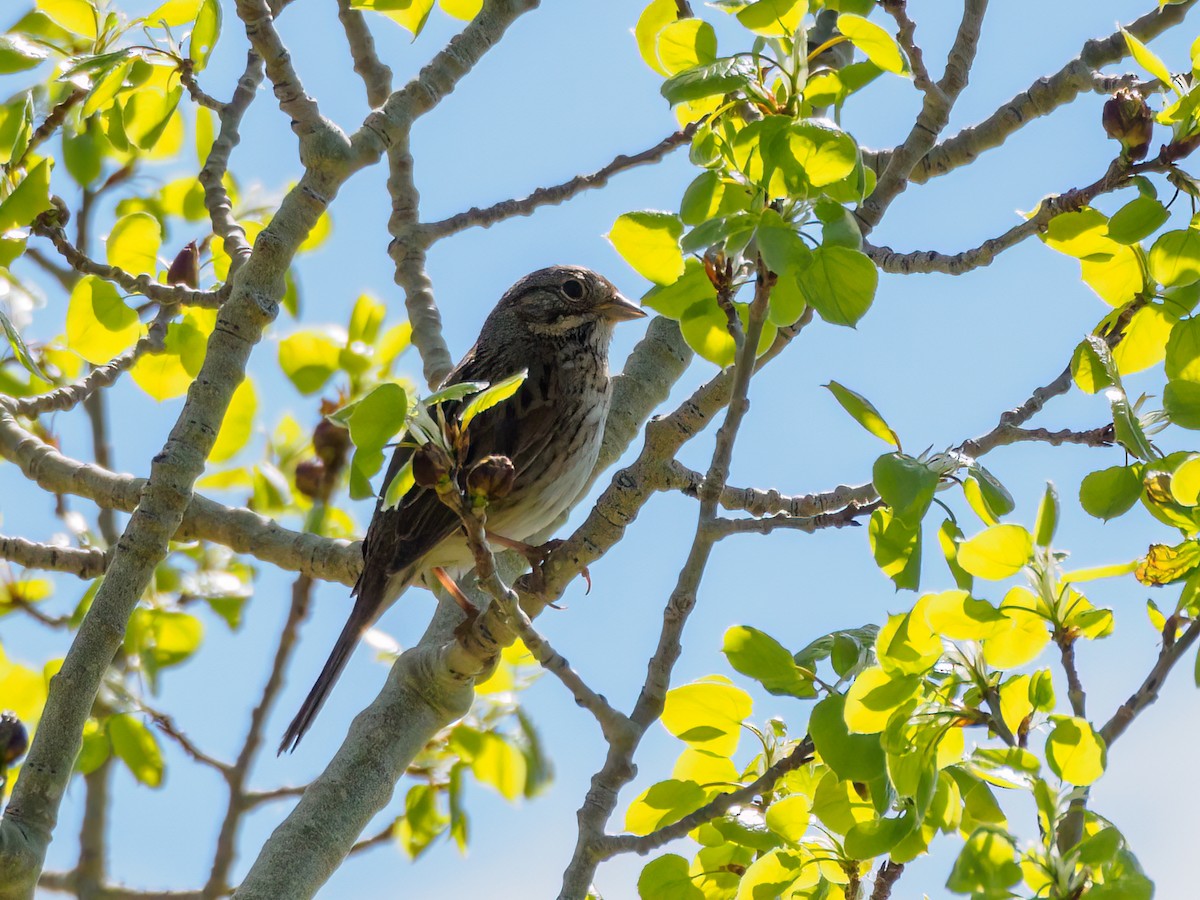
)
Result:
{"points": [[573, 289]]}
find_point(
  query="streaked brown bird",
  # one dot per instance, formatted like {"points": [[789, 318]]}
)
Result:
{"points": [[557, 324]]}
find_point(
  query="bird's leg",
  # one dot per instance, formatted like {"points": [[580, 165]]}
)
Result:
{"points": [[537, 556], [455, 592]]}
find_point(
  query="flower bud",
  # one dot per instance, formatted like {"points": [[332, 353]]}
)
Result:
{"points": [[310, 477], [1128, 119], [331, 441], [430, 464], [185, 268], [492, 477], [14, 739]]}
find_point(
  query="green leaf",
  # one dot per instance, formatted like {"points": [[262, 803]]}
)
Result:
{"points": [[135, 745], [839, 284], [378, 417], [996, 552], [99, 324], [825, 153], [20, 350], [422, 822], [1088, 369], [874, 696], [29, 199], [863, 412], [866, 840], [133, 244], [649, 242], [721, 76], [83, 156], [686, 43], [781, 247], [1047, 517], [653, 19], [17, 54], [1110, 492], [906, 485], [773, 18], [663, 804], [875, 43], [1181, 400], [205, 34], [959, 616], [1137, 219], [497, 393], [707, 714], [759, 656], [1081, 233], [896, 547], [308, 359], [668, 878], [788, 817], [402, 482], [1182, 361], [1175, 258], [1146, 58], [1075, 752], [855, 757], [987, 866], [692, 287]]}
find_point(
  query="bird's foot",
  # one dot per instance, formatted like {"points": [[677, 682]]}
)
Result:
{"points": [[537, 556], [464, 603]]}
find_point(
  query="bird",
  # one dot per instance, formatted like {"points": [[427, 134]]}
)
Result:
{"points": [[556, 324]]}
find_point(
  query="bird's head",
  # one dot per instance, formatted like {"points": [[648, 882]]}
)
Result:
{"points": [[561, 300]]}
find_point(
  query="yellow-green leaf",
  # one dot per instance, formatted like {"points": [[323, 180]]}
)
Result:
{"points": [[99, 324], [204, 38], [1024, 637], [238, 424], [1075, 752], [863, 412], [1147, 59], [466, 10], [774, 18], [497, 393], [76, 16], [653, 19], [30, 198], [174, 13], [1116, 279], [996, 552], [878, 46], [649, 242], [136, 746], [873, 697], [686, 43], [133, 244], [708, 714]]}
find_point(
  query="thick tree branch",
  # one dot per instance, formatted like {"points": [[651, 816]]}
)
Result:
{"points": [[376, 77], [1040, 99], [306, 117], [83, 562]]}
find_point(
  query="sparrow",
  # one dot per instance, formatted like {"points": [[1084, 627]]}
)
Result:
{"points": [[556, 324]]}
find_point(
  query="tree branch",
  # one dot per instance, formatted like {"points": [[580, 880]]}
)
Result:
{"points": [[552, 196], [83, 562]]}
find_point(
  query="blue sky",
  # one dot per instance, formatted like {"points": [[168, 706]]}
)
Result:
{"points": [[941, 357]]}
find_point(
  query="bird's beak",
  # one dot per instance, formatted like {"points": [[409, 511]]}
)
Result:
{"points": [[620, 309]]}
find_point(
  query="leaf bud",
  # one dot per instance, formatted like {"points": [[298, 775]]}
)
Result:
{"points": [[430, 464], [14, 739], [1128, 119], [310, 477], [331, 442], [491, 478], [185, 267]]}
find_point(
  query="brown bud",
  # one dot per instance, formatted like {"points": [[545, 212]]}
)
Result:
{"points": [[14, 739], [331, 441], [492, 477], [185, 268], [310, 477], [1128, 119], [430, 464]]}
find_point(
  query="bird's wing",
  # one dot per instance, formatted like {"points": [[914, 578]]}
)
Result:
{"points": [[519, 428]]}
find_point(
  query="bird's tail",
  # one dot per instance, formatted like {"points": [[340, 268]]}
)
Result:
{"points": [[338, 658]]}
